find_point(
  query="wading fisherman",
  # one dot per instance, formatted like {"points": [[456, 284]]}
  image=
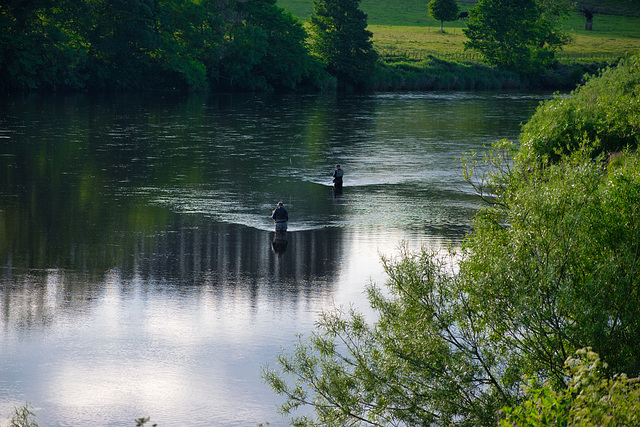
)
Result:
{"points": [[280, 216], [337, 178]]}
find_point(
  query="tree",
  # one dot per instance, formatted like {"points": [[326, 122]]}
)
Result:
{"points": [[121, 35], [552, 266], [590, 399], [588, 14], [587, 9], [39, 46], [610, 125], [520, 35], [443, 10], [176, 58], [340, 39], [268, 49], [451, 349], [151, 44]]}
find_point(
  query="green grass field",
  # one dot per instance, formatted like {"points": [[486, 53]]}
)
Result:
{"points": [[404, 27]]}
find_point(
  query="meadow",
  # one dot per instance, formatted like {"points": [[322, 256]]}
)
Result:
{"points": [[405, 29]]}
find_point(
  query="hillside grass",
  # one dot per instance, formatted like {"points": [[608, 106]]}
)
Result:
{"points": [[405, 28]]}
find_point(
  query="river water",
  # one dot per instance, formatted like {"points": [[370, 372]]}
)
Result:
{"points": [[140, 274]]}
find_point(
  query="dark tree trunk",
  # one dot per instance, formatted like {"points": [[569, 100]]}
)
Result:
{"points": [[588, 25]]}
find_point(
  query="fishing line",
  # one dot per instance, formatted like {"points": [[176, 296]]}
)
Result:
{"points": [[331, 150]]}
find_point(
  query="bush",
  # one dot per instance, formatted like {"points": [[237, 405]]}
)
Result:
{"points": [[604, 114], [589, 400]]}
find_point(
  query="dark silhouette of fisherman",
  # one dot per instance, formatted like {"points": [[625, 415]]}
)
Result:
{"points": [[337, 179], [279, 243], [280, 217]]}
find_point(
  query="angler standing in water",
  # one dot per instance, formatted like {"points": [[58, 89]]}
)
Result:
{"points": [[337, 179], [280, 216]]}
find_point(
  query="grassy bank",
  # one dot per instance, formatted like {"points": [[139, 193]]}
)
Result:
{"points": [[405, 27], [433, 73]]}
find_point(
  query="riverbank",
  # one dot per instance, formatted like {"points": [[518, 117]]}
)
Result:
{"points": [[437, 74]]}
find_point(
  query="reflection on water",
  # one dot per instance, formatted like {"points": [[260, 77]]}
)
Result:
{"points": [[186, 324], [140, 271]]}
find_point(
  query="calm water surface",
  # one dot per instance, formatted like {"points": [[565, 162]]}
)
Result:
{"points": [[139, 271]]}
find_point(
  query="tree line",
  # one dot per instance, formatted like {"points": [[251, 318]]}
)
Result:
{"points": [[241, 44], [166, 44]]}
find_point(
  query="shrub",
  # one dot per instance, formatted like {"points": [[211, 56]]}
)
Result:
{"points": [[589, 400], [604, 114]]}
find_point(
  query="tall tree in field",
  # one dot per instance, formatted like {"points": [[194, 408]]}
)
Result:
{"points": [[341, 40], [520, 35], [443, 10], [588, 9]]}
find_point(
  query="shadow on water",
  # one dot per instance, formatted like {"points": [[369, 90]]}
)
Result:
{"points": [[191, 254]]}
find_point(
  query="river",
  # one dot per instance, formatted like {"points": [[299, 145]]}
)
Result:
{"points": [[140, 275]]}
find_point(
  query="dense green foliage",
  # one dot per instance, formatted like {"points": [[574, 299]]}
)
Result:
{"points": [[589, 400], [234, 44], [551, 267], [604, 113], [150, 44], [520, 35], [341, 40], [268, 50], [563, 274], [443, 10]]}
